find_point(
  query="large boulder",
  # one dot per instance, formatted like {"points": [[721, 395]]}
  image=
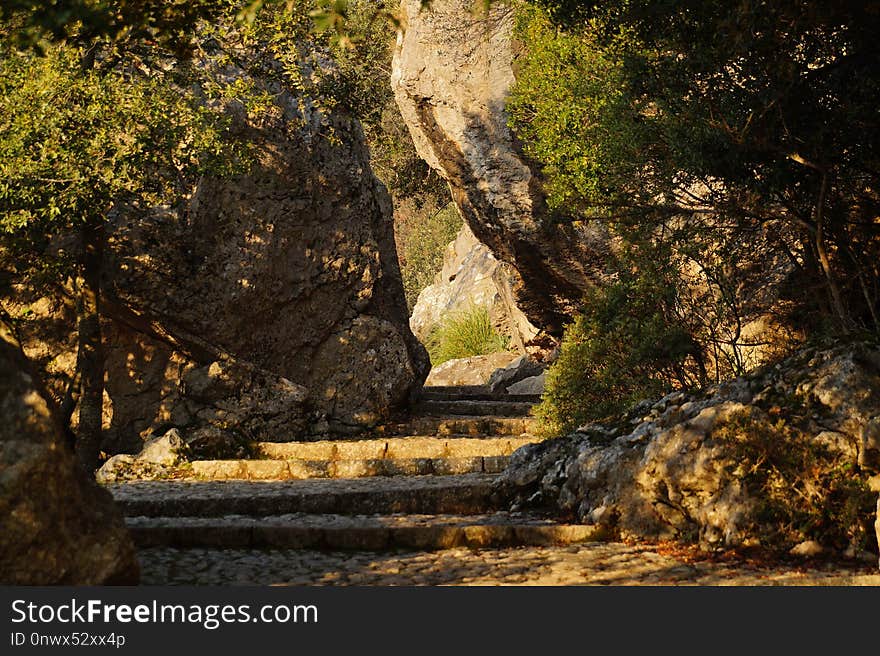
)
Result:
{"points": [[58, 526], [776, 459], [515, 372], [287, 276], [533, 385], [452, 72], [271, 306], [472, 277]]}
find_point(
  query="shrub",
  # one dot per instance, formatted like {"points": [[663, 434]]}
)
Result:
{"points": [[805, 490], [627, 344], [421, 243], [464, 334]]}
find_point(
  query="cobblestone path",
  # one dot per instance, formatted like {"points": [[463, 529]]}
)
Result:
{"points": [[585, 564]]}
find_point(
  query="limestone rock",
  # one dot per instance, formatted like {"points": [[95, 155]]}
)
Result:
{"points": [[167, 450], [683, 467], [532, 385], [848, 387], [115, 468], [58, 526], [156, 459], [472, 277], [452, 72], [807, 549], [474, 370], [520, 369], [289, 274]]}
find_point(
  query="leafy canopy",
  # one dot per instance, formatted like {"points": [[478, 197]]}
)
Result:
{"points": [[741, 139], [78, 144]]}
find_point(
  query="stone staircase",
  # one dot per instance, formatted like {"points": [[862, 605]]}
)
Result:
{"points": [[424, 484]]}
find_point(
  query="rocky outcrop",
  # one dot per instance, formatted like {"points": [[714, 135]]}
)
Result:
{"points": [[472, 277], [156, 459], [774, 459], [286, 279], [533, 385], [451, 75], [272, 306], [58, 527]]}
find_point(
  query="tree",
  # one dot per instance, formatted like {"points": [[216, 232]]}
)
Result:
{"points": [[105, 116], [739, 141], [761, 116], [85, 139], [630, 342]]}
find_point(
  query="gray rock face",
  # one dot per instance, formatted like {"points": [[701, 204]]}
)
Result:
{"points": [[271, 307], [685, 467], [472, 277], [451, 75], [518, 370], [58, 527], [167, 450], [531, 385], [849, 387]]}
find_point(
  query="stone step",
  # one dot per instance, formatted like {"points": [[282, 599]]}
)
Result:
{"points": [[473, 393], [361, 532], [298, 469], [459, 426], [474, 408], [394, 448], [462, 494]]}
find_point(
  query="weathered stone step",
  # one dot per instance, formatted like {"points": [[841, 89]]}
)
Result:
{"points": [[475, 408], [362, 532], [464, 494], [297, 469], [473, 393], [395, 456], [395, 448], [460, 426]]}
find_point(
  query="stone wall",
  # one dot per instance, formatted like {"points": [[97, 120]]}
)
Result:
{"points": [[782, 456]]}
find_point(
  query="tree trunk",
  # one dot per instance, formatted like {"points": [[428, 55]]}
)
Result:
{"points": [[91, 350], [834, 290]]}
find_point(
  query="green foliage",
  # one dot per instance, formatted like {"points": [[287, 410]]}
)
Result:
{"points": [[629, 343], [360, 85], [746, 119], [424, 221], [422, 240], [83, 22], [463, 334], [82, 144], [734, 142], [572, 111], [805, 491]]}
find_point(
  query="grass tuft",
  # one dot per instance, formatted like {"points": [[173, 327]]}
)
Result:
{"points": [[463, 334]]}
